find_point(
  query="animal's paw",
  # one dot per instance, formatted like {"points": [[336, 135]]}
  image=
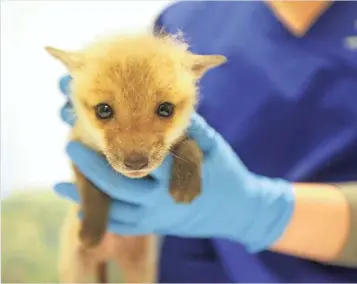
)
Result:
{"points": [[185, 183], [186, 190]]}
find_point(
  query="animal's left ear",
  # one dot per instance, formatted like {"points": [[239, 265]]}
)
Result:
{"points": [[200, 64], [72, 60]]}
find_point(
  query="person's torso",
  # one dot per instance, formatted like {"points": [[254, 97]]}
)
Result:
{"points": [[287, 106]]}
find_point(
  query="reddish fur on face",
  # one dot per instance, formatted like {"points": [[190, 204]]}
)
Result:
{"points": [[134, 75]]}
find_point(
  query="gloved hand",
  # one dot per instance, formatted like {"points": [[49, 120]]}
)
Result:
{"points": [[235, 203]]}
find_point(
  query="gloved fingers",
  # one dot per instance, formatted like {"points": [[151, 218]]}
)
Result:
{"points": [[67, 114], [202, 133], [64, 84], [127, 213], [120, 211], [120, 228], [117, 186], [67, 190]]}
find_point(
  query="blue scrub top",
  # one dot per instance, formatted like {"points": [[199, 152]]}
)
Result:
{"points": [[288, 107]]}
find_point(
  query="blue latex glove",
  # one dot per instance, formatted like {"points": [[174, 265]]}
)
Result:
{"points": [[235, 203], [67, 113]]}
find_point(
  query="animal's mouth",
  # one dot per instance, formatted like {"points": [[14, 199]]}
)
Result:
{"points": [[137, 173]]}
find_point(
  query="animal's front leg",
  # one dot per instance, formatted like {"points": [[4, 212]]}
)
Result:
{"points": [[95, 208], [186, 174]]}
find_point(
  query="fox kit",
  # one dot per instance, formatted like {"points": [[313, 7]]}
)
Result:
{"points": [[133, 97]]}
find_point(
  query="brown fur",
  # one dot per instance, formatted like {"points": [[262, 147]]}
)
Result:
{"points": [[133, 74]]}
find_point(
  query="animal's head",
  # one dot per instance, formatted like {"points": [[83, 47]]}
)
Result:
{"points": [[134, 95]]}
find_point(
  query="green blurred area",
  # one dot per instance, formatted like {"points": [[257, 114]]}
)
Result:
{"points": [[30, 226]]}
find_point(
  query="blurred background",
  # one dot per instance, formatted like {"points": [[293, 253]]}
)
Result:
{"points": [[33, 137]]}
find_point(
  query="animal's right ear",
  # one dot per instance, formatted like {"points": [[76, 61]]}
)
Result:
{"points": [[200, 64], [71, 60]]}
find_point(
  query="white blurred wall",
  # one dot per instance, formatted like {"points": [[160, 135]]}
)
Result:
{"points": [[32, 135]]}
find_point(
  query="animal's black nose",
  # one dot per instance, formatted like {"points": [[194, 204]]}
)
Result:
{"points": [[136, 161]]}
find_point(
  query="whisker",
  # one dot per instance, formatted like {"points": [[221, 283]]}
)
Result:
{"points": [[178, 157]]}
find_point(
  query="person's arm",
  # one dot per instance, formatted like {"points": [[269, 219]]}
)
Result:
{"points": [[324, 224]]}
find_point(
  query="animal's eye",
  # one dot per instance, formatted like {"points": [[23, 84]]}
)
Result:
{"points": [[165, 109], [104, 111]]}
